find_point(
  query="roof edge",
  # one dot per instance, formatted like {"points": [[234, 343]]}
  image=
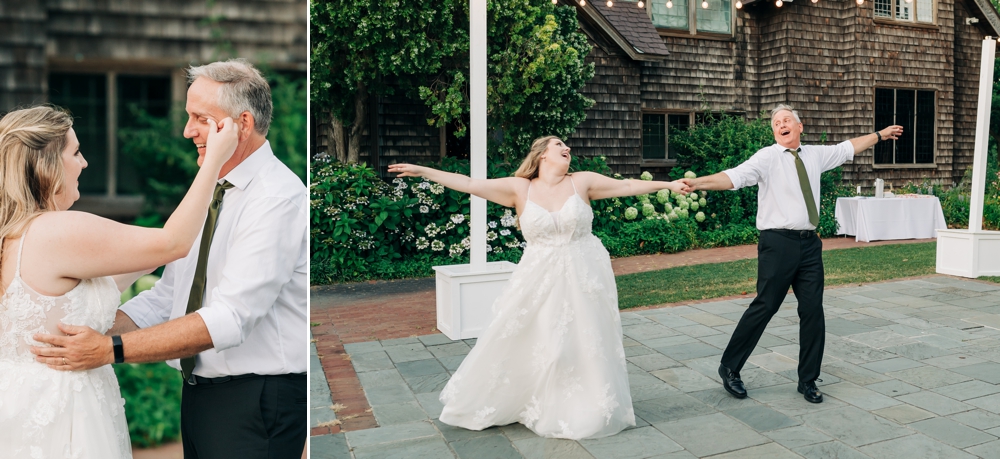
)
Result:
{"points": [[611, 32]]}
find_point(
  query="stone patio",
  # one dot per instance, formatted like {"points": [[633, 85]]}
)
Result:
{"points": [[911, 370]]}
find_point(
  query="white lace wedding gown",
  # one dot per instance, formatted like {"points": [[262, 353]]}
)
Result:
{"points": [[552, 358], [49, 414]]}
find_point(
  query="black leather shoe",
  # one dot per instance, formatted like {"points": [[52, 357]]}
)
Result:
{"points": [[732, 382], [810, 392]]}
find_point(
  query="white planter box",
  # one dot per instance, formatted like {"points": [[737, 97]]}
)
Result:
{"points": [[968, 253], [465, 298]]}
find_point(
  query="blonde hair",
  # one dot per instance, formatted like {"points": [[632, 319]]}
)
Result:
{"points": [[529, 167], [31, 165]]}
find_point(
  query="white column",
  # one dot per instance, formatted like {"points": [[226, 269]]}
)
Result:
{"points": [[982, 135], [477, 135]]}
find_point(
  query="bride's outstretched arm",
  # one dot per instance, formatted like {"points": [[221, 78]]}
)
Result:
{"points": [[502, 191], [602, 187]]}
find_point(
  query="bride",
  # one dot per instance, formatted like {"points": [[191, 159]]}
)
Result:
{"points": [[552, 358], [54, 268]]}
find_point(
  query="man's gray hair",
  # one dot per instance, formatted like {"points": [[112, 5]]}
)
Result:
{"points": [[243, 89], [781, 107]]}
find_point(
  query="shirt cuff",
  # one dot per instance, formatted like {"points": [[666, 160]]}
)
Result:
{"points": [[849, 147], [222, 327], [735, 178]]}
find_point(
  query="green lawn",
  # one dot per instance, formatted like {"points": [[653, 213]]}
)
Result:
{"points": [[844, 266]]}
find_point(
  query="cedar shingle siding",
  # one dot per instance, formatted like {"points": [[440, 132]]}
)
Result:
{"points": [[825, 59]]}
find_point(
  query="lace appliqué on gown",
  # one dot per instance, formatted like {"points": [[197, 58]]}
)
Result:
{"points": [[552, 359], [50, 414]]}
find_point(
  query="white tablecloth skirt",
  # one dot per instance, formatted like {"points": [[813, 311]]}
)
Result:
{"points": [[871, 219]]}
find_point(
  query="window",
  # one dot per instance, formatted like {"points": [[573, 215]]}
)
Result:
{"points": [[97, 120], [710, 16], [921, 11], [914, 110], [656, 130]]}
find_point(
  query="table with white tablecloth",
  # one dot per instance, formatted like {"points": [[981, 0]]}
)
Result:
{"points": [[876, 219]]}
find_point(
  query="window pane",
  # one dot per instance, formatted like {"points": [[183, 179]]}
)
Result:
{"points": [[924, 131], [883, 8], [925, 10], [905, 111], [904, 10], [884, 105], [85, 96], [677, 123], [150, 94], [716, 18], [675, 17], [654, 137]]}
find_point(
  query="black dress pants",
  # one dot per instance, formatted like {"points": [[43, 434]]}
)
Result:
{"points": [[784, 258], [257, 417]]}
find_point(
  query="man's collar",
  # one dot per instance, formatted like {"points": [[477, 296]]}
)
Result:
{"points": [[244, 172]]}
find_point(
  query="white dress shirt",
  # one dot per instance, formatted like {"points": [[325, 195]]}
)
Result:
{"points": [[780, 204], [257, 282]]}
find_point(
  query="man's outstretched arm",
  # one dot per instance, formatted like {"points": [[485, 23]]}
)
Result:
{"points": [[83, 348], [718, 181], [866, 141]]}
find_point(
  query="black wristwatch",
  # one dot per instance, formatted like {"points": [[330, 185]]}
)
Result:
{"points": [[878, 135], [116, 343]]}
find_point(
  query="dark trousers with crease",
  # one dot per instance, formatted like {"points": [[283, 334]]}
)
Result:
{"points": [[784, 260], [260, 417]]}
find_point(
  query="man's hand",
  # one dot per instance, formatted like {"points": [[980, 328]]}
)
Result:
{"points": [[688, 185], [81, 349], [891, 132]]}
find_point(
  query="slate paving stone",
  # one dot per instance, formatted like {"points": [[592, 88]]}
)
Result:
{"points": [[952, 433], [656, 390], [797, 436], [765, 451], [989, 403], [451, 349], [362, 348], [551, 448], [722, 401], [422, 448], [647, 331], [854, 426], [859, 396], [398, 413], [986, 371], [762, 418], [918, 351], [329, 447], [711, 434], [881, 339], [710, 320], [494, 446], [451, 363], [639, 443], [977, 419], [685, 379], [407, 352], [830, 450], [387, 434], [371, 361], [904, 414], [389, 394], [420, 368], [453, 434], [429, 383], [954, 360], [928, 377], [916, 445], [435, 339], [380, 378], [671, 407], [893, 364], [654, 361], [853, 373], [678, 339], [893, 388], [430, 404], [841, 327], [935, 403], [986, 451], [689, 351], [968, 390]]}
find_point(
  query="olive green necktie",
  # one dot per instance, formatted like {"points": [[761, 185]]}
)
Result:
{"points": [[197, 295], [807, 191]]}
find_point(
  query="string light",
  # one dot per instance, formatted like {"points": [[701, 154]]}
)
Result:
{"points": [[861, 2], [641, 5], [555, 2], [779, 3], [583, 2], [704, 4], [610, 4], [739, 4], [670, 4], [814, 1]]}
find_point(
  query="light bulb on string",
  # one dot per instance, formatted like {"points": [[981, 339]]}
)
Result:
{"points": [[583, 2], [739, 4], [610, 4], [779, 3], [641, 5], [704, 4], [670, 4], [861, 2], [814, 1], [554, 2]]}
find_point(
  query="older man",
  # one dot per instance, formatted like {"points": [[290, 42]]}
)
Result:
{"points": [[232, 314], [789, 252]]}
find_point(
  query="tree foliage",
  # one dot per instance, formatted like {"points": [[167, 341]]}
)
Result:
{"points": [[420, 50]]}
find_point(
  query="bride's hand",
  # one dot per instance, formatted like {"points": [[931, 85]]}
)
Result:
{"points": [[679, 186], [405, 170], [222, 140]]}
